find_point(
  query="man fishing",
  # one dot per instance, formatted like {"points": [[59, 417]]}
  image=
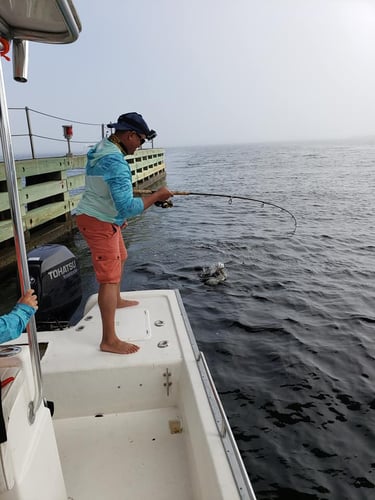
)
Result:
{"points": [[102, 212]]}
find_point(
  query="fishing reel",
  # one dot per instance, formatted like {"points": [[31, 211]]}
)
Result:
{"points": [[164, 204]]}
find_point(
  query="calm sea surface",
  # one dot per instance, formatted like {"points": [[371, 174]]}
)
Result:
{"points": [[290, 336]]}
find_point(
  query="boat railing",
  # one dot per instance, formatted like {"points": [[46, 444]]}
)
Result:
{"points": [[239, 472], [19, 243], [243, 483]]}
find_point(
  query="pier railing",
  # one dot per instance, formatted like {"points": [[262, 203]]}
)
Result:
{"points": [[36, 133], [50, 188], [42, 132]]}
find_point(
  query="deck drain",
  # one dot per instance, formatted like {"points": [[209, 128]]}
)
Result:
{"points": [[175, 427]]}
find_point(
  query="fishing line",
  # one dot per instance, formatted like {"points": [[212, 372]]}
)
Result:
{"points": [[230, 198]]}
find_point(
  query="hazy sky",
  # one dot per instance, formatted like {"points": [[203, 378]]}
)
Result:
{"points": [[212, 71]]}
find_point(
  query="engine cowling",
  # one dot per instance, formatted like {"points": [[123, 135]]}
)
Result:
{"points": [[56, 279]]}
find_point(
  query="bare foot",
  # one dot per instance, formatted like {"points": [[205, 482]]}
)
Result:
{"points": [[126, 303], [119, 347]]}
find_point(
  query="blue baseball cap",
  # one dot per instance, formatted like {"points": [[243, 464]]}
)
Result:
{"points": [[133, 121]]}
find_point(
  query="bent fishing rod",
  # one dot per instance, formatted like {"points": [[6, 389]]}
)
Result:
{"points": [[140, 192]]}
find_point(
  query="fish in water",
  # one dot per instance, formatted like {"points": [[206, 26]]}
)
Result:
{"points": [[213, 275]]}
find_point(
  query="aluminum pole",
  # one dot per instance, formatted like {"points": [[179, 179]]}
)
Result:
{"points": [[19, 242]]}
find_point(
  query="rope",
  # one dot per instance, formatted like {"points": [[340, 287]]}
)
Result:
{"points": [[91, 141], [31, 135], [5, 48], [59, 140], [230, 198], [63, 119]]}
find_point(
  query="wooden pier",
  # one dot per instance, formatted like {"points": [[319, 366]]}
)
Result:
{"points": [[49, 191]]}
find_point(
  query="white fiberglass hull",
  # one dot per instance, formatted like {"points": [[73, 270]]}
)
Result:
{"points": [[137, 426]]}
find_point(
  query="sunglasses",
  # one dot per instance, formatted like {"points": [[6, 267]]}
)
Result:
{"points": [[141, 140]]}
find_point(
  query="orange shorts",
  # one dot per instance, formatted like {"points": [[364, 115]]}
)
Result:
{"points": [[107, 247]]}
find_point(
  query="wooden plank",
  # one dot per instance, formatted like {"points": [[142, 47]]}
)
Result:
{"points": [[150, 162], [42, 190], [147, 152], [76, 181], [6, 230], [4, 204], [47, 213], [4, 201], [73, 202], [140, 175], [25, 168]]}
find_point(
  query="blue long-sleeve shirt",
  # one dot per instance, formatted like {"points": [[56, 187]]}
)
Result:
{"points": [[108, 194], [14, 323]]}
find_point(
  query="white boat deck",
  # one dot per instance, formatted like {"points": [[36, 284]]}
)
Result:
{"points": [[134, 453], [114, 434], [132, 427]]}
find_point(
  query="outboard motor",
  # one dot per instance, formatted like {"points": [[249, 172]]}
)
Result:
{"points": [[55, 277]]}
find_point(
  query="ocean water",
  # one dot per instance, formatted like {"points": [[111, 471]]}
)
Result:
{"points": [[290, 335]]}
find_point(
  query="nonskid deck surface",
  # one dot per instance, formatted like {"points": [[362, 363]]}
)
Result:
{"points": [[124, 456]]}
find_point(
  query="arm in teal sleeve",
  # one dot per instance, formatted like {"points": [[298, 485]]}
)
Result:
{"points": [[14, 323], [119, 179]]}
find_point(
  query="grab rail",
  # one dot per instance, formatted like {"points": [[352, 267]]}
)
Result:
{"points": [[239, 472], [19, 242], [224, 427], [225, 431]]}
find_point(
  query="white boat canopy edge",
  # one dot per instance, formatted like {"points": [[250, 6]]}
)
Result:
{"points": [[45, 21]]}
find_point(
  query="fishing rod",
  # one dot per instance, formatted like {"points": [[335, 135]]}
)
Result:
{"points": [[140, 192]]}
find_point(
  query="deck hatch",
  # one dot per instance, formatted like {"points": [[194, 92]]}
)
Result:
{"points": [[135, 323]]}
